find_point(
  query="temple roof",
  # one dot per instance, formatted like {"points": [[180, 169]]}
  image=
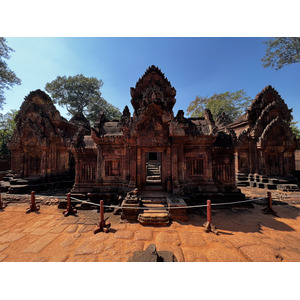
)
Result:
{"points": [[152, 88], [150, 70], [80, 120], [111, 128]]}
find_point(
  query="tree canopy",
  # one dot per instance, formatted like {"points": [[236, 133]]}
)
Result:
{"points": [[81, 94], [281, 51], [233, 104], [8, 78], [7, 126]]}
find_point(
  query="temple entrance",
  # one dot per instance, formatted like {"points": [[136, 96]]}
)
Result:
{"points": [[153, 168]]}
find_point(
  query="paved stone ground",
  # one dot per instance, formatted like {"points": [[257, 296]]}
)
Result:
{"points": [[246, 234]]}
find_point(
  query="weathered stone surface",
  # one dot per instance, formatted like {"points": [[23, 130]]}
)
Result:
{"points": [[192, 239], [11, 237], [259, 253], [89, 248], [170, 237], [40, 144], [40, 231], [151, 255], [132, 246], [193, 255], [59, 258], [3, 257], [72, 228], [144, 235], [68, 243], [86, 228], [222, 254], [3, 232], [290, 256], [3, 247], [124, 234], [265, 143], [40, 244]]}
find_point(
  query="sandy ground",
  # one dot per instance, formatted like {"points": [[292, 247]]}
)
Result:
{"points": [[246, 234]]}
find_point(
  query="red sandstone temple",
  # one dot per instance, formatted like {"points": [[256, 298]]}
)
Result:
{"points": [[153, 150]]}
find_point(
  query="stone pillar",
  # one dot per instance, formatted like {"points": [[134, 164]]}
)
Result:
{"points": [[133, 165], [44, 164], [209, 168], [175, 182], [169, 170], [180, 160], [126, 163], [77, 171], [139, 168], [100, 165]]}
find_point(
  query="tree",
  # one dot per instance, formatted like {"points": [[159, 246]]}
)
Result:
{"points": [[8, 78], [7, 127], [81, 94], [233, 104], [281, 51]]}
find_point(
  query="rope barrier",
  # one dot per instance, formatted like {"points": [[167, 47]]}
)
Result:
{"points": [[164, 208]]}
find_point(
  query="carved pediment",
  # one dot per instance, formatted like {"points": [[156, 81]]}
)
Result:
{"points": [[153, 87]]}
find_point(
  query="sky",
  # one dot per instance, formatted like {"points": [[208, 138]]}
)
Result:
{"points": [[194, 66]]}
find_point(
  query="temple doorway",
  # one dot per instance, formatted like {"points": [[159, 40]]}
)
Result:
{"points": [[153, 168]]}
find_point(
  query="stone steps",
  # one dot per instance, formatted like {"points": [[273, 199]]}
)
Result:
{"points": [[270, 183]]}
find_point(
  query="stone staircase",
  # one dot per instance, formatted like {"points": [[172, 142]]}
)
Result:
{"points": [[153, 173], [270, 183], [162, 212], [13, 185], [159, 215]]}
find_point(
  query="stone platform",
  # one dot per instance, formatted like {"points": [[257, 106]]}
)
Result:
{"points": [[245, 234], [155, 208]]}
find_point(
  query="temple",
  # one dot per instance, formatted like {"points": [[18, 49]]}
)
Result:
{"points": [[186, 159], [265, 144]]}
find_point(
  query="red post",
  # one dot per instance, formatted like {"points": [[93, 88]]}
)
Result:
{"points": [[69, 199], [269, 209], [208, 211], [208, 227], [70, 210], [270, 200], [101, 211], [33, 206], [2, 205], [102, 226]]}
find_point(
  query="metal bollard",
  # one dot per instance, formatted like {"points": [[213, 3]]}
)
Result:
{"points": [[208, 227], [2, 205], [33, 206], [269, 210], [102, 226], [70, 210]]}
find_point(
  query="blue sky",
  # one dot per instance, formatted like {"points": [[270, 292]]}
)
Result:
{"points": [[194, 66]]}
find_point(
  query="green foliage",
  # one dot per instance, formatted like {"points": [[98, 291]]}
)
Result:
{"points": [[233, 104], [7, 127], [81, 94], [295, 129], [7, 77], [281, 51]]}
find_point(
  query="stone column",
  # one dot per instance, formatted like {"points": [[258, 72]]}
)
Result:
{"points": [[169, 170], [100, 165], [139, 168], [44, 163], [209, 173], [175, 181], [132, 162]]}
